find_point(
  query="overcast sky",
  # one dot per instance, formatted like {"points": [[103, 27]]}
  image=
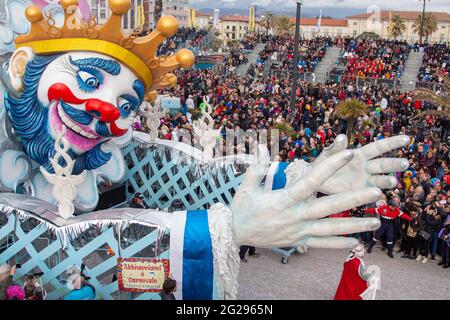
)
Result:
{"points": [[413, 5]]}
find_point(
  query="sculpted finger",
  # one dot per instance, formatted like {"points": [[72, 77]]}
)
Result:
{"points": [[387, 165], [257, 171], [333, 242], [304, 188], [340, 226], [383, 182], [339, 144], [377, 148], [324, 206]]}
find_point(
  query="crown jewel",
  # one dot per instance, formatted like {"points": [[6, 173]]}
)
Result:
{"points": [[137, 53]]}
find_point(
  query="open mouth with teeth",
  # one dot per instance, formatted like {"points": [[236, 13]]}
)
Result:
{"points": [[81, 137], [73, 126]]}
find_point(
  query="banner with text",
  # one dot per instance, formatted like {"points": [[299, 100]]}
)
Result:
{"points": [[251, 16], [170, 102], [142, 275], [216, 18]]}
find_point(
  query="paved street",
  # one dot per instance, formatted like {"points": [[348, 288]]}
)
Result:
{"points": [[316, 275]]}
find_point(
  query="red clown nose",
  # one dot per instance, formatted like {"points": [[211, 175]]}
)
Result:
{"points": [[101, 110]]}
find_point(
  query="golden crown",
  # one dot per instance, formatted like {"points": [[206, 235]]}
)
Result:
{"points": [[137, 53]]}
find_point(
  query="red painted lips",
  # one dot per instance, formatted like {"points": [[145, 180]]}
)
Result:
{"points": [[102, 110]]}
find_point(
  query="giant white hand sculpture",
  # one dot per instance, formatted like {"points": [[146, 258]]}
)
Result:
{"points": [[363, 170], [294, 217]]}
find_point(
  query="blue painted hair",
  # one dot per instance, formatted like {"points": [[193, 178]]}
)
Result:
{"points": [[29, 118]]}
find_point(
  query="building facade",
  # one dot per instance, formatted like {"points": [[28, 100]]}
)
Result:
{"points": [[234, 28], [176, 8], [100, 10], [379, 23], [203, 20], [328, 27]]}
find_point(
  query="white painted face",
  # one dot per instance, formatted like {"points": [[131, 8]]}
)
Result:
{"points": [[94, 96], [77, 282]]}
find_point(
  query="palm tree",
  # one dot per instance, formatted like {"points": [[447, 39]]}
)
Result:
{"points": [[283, 24], [429, 25], [268, 21], [398, 26], [350, 110]]}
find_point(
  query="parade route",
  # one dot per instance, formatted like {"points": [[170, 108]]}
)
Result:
{"points": [[315, 276]]}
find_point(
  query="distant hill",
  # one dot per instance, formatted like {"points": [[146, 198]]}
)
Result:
{"points": [[338, 13], [244, 12]]}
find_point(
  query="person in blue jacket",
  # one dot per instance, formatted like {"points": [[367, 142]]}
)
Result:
{"points": [[82, 290]]}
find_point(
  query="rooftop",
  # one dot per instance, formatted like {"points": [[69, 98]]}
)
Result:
{"points": [[406, 15], [323, 23], [202, 14], [235, 18]]}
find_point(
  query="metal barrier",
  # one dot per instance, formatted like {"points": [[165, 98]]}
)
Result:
{"points": [[286, 74], [154, 170], [55, 261], [434, 86], [161, 178], [360, 81], [205, 43]]}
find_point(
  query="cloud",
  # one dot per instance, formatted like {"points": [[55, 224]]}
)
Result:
{"points": [[435, 5], [329, 5], [229, 3], [265, 3]]}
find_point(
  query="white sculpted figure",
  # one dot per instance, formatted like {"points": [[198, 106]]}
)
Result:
{"points": [[64, 183], [152, 114], [204, 128]]}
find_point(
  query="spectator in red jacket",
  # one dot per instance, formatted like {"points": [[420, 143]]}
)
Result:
{"points": [[387, 214]]}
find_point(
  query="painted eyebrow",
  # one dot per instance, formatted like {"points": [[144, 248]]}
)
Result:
{"points": [[132, 99], [138, 87], [109, 66]]}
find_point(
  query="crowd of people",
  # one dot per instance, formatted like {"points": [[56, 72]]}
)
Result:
{"points": [[257, 102], [32, 288], [279, 49], [238, 55], [264, 102], [368, 58], [192, 37], [9, 290], [435, 63]]}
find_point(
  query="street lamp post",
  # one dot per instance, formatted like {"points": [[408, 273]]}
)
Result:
{"points": [[422, 21], [295, 62]]}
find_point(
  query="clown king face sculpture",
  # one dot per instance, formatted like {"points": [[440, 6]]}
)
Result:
{"points": [[93, 96], [78, 87]]}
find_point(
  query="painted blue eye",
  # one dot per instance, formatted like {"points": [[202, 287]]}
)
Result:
{"points": [[92, 82], [88, 81], [126, 108]]}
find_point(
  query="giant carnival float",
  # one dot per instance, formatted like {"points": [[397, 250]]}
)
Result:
{"points": [[70, 90]]}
